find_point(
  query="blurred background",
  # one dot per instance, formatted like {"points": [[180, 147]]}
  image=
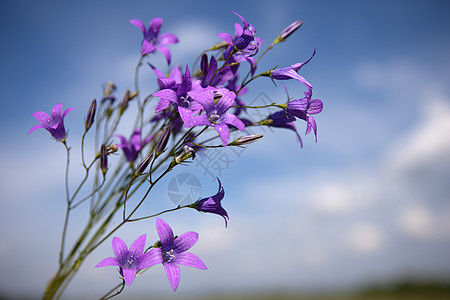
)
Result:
{"points": [[366, 208]]}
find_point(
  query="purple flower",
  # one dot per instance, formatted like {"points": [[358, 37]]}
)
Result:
{"points": [[131, 260], [282, 119], [290, 72], [304, 108], [167, 82], [153, 40], [54, 123], [132, 147], [173, 250], [215, 103], [212, 204], [244, 37], [211, 78]]}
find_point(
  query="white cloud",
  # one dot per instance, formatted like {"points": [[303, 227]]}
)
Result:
{"points": [[365, 238]]}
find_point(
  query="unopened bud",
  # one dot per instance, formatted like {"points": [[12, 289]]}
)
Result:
{"points": [[103, 159], [111, 149], [288, 31], [204, 63], [90, 115], [143, 165], [163, 139], [125, 99], [244, 140]]}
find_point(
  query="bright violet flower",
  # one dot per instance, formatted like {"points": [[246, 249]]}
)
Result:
{"points": [[282, 119], [211, 78], [215, 103], [132, 147], [244, 37], [304, 108], [54, 123], [290, 72], [212, 204], [173, 251], [167, 82], [153, 40], [131, 260], [179, 98]]}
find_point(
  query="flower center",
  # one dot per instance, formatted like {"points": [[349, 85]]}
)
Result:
{"points": [[129, 261], [184, 101], [214, 117], [168, 256]]}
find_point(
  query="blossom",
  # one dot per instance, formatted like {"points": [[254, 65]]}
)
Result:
{"points": [[153, 40], [212, 204], [132, 147], [290, 72], [282, 119], [167, 82], [54, 123], [131, 260], [244, 37], [304, 109], [215, 104], [173, 251]]}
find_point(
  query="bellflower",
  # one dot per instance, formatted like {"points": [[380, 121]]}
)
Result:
{"points": [[131, 260], [173, 251], [282, 119], [54, 123], [244, 37], [215, 112], [290, 72], [153, 40], [167, 82], [304, 108], [132, 147], [212, 204]]}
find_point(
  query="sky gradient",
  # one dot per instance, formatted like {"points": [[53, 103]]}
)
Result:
{"points": [[369, 202]]}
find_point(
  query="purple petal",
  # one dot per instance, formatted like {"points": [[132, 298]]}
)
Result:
{"points": [[224, 133], [128, 275], [110, 261], [225, 102], [173, 274], [186, 83], [226, 37], [151, 258], [67, 111], [316, 106], [138, 24], [185, 241], [233, 120], [190, 260], [155, 25], [204, 97], [165, 233], [147, 47], [167, 39], [35, 127], [119, 247], [165, 96], [166, 52], [43, 118], [201, 120], [138, 245], [57, 113]]}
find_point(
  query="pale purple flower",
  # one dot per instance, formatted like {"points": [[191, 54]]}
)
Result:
{"points": [[290, 72], [215, 103], [212, 204], [132, 146], [54, 123], [173, 251], [131, 260], [153, 40]]}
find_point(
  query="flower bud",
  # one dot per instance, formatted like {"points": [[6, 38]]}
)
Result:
{"points": [[163, 139], [288, 31], [124, 104], [111, 149], [143, 165], [244, 140], [90, 115], [103, 159]]}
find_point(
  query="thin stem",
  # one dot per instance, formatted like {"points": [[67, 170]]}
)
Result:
{"points": [[66, 218]]}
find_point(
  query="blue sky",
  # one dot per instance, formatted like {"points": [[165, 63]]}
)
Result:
{"points": [[370, 202]]}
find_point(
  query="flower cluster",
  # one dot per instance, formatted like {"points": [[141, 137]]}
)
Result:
{"points": [[192, 108]]}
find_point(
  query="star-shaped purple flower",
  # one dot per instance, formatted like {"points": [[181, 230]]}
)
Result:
{"points": [[131, 260], [54, 123], [174, 253], [153, 40], [215, 103], [212, 204], [244, 37], [132, 147]]}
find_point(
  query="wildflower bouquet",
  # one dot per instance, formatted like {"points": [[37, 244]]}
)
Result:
{"points": [[193, 109]]}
